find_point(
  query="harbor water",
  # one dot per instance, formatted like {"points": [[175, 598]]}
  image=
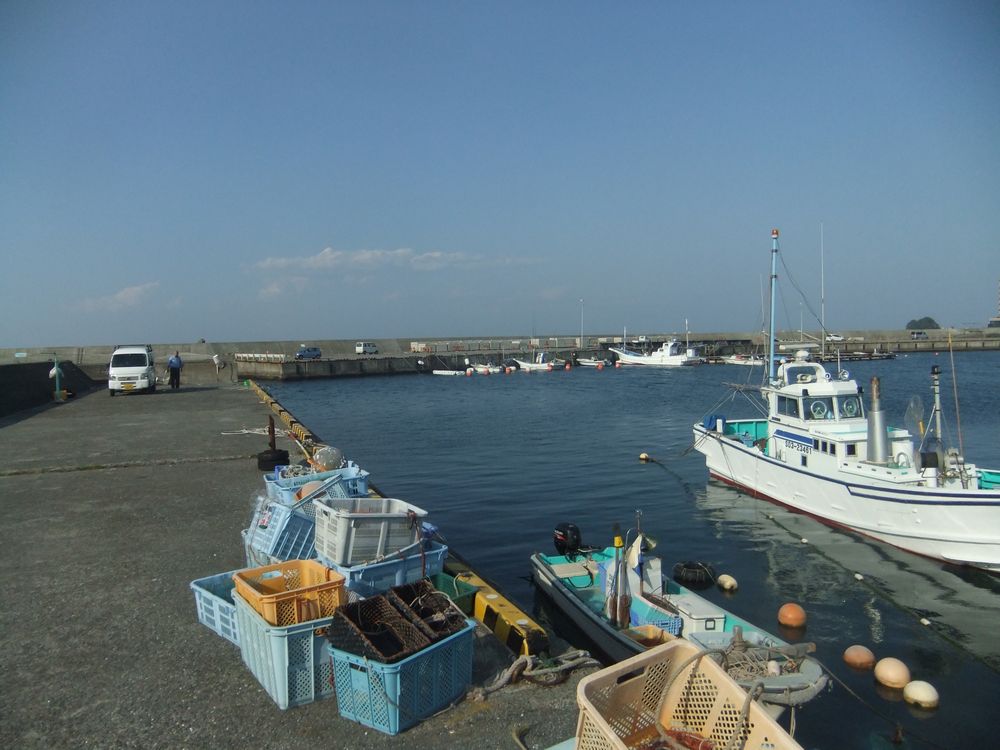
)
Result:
{"points": [[499, 460]]}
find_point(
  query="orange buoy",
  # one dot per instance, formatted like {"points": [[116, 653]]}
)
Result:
{"points": [[618, 364], [892, 672], [859, 657], [600, 366], [791, 615], [569, 366]]}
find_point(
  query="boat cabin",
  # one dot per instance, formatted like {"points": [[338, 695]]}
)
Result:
{"points": [[805, 391]]}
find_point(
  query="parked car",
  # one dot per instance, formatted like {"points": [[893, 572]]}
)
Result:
{"points": [[308, 352], [834, 337], [365, 347], [132, 369]]}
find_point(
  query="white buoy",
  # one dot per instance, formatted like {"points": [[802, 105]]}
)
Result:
{"points": [[643, 456], [921, 694], [773, 669], [726, 582], [892, 672]]}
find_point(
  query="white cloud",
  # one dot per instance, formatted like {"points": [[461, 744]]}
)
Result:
{"points": [[130, 296], [367, 260], [282, 285]]}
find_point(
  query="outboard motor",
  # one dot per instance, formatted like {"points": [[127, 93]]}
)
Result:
{"points": [[566, 538]]}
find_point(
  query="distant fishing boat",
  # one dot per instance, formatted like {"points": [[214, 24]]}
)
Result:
{"points": [[819, 452], [669, 354], [541, 361], [592, 362], [622, 602]]}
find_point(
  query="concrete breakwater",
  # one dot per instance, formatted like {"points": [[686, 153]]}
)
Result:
{"points": [[275, 360]]}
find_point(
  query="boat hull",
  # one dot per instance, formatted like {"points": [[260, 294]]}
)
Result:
{"points": [[955, 526]]}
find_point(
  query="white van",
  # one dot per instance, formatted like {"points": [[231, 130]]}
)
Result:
{"points": [[132, 369], [365, 347]]}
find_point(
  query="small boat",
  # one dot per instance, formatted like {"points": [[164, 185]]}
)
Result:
{"points": [[487, 369], [752, 360], [817, 451], [593, 362], [670, 354], [622, 602], [541, 361], [450, 372]]}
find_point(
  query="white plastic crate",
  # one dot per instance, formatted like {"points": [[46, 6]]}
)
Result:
{"points": [[638, 701], [358, 530]]}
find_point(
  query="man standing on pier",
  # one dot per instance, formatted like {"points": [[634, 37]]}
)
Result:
{"points": [[175, 364]]}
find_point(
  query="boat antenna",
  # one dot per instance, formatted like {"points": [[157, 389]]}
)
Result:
{"points": [[771, 364], [954, 387]]}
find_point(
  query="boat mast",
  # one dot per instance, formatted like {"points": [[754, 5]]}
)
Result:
{"points": [[822, 296], [771, 364]]}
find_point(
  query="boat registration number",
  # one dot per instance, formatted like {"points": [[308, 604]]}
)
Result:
{"points": [[798, 446]]}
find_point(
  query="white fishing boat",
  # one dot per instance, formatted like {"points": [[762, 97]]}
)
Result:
{"points": [[818, 451], [670, 354], [593, 362], [541, 361], [451, 372], [747, 360]]}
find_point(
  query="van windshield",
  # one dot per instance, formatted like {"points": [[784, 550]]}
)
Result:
{"points": [[137, 359]]}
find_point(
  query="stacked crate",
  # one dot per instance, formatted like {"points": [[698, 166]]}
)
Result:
{"points": [[397, 661], [317, 545]]}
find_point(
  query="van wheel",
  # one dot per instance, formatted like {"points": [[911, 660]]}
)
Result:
{"points": [[152, 388], [111, 392]]}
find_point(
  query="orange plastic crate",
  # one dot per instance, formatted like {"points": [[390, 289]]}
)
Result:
{"points": [[292, 592]]}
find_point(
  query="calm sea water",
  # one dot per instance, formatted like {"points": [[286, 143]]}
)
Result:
{"points": [[497, 461]]}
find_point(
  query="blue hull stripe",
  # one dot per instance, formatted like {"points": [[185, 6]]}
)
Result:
{"points": [[800, 439]]}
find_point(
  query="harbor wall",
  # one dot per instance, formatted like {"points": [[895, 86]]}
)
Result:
{"points": [[29, 385], [406, 356]]}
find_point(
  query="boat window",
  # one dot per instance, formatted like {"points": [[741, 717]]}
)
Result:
{"points": [[849, 407], [805, 462], [819, 408], [851, 449], [788, 406]]}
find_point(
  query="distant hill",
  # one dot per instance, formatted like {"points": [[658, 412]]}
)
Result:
{"points": [[922, 324]]}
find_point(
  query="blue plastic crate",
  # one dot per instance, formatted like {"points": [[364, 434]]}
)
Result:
{"points": [[213, 598], [394, 697], [395, 570], [355, 482], [291, 663], [284, 532]]}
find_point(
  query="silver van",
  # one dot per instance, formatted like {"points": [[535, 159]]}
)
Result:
{"points": [[365, 347]]}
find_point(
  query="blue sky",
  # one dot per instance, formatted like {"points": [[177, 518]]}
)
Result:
{"points": [[235, 171]]}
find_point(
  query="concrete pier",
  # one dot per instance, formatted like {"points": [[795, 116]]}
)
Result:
{"points": [[110, 508]]}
